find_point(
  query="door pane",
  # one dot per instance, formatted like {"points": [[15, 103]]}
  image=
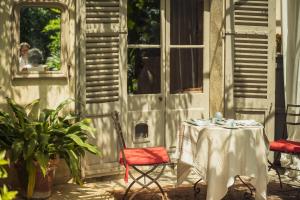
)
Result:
{"points": [[143, 71], [143, 22], [187, 22], [186, 73]]}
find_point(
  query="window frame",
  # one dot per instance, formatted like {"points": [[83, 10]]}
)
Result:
{"points": [[65, 52], [204, 46]]}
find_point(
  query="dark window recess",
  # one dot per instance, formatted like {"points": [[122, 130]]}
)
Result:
{"points": [[141, 131]]}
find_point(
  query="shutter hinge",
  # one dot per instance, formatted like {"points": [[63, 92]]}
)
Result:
{"points": [[224, 33]]}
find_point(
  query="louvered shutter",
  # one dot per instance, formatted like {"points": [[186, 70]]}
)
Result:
{"points": [[250, 61], [102, 51], [100, 78]]}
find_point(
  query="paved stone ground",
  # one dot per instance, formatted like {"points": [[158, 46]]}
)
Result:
{"points": [[111, 188]]}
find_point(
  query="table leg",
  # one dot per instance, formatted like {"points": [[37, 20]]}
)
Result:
{"points": [[196, 188], [247, 196]]}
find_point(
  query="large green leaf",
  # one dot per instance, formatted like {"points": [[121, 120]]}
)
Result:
{"points": [[73, 163], [45, 114], [43, 140], [30, 108], [19, 112], [30, 148], [79, 142], [31, 170], [82, 125], [3, 173], [43, 160], [16, 150], [7, 195], [29, 133], [60, 107]]}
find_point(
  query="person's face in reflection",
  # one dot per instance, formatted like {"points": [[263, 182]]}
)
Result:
{"points": [[24, 51]]}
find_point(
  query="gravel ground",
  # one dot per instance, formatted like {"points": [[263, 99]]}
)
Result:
{"points": [[113, 187]]}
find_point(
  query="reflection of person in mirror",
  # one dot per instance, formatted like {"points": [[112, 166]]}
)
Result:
{"points": [[23, 59]]}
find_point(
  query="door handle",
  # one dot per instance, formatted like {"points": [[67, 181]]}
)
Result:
{"points": [[160, 98]]}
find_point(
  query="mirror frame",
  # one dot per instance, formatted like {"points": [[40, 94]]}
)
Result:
{"points": [[65, 46]]}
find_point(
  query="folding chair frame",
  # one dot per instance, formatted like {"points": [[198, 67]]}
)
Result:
{"points": [[136, 180], [284, 136]]}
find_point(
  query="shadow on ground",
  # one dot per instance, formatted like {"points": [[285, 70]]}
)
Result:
{"points": [[186, 192]]}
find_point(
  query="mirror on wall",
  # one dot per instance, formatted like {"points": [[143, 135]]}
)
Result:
{"points": [[40, 39]]}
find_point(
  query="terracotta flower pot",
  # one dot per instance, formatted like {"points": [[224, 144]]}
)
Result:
{"points": [[43, 184]]}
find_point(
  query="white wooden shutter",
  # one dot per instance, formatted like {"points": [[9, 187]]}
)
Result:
{"points": [[250, 61], [100, 76], [102, 51], [102, 68]]}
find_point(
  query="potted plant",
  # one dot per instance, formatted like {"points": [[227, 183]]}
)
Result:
{"points": [[36, 138]]}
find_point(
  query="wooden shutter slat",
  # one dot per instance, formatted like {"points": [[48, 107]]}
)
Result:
{"points": [[102, 83], [102, 67], [104, 88], [250, 70], [250, 95], [263, 51], [249, 80], [102, 100], [101, 72], [250, 60], [249, 85], [102, 3], [101, 94]]}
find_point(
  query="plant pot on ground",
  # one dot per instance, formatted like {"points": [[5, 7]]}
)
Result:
{"points": [[35, 136], [43, 183]]}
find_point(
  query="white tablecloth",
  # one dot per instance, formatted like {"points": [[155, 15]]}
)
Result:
{"points": [[218, 154]]}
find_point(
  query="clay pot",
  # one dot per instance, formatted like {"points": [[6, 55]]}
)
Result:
{"points": [[43, 184]]}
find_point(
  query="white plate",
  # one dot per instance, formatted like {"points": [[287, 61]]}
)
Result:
{"points": [[230, 127]]}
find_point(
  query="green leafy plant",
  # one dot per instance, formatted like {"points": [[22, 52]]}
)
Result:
{"points": [[5, 194], [38, 136]]}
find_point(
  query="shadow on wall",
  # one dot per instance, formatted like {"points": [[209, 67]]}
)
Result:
{"points": [[279, 99], [5, 51]]}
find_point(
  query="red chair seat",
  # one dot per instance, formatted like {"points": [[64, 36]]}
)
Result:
{"points": [[285, 146], [145, 156]]}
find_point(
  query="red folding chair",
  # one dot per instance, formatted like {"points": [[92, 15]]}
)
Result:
{"points": [[153, 157], [283, 145]]}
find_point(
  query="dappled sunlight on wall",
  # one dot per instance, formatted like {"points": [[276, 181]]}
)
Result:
{"points": [[5, 51], [50, 90]]}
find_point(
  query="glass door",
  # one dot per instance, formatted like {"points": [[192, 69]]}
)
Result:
{"points": [[167, 68], [145, 73], [187, 64]]}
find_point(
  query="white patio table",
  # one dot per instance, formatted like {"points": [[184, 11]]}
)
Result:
{"points": [[217, 154]]}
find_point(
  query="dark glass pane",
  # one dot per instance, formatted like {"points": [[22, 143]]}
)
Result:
{"points": [[143, 22], [187, 22], [40, 37], [186, 67], [143, 71]]}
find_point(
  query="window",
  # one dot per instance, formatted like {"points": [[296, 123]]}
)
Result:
{"points": [[159, 44], [186, 39], [40, 37], [144, 52], [40, 49]]}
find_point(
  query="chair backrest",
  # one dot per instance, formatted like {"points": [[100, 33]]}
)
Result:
{"points": [[118, 128], [292, 118]]}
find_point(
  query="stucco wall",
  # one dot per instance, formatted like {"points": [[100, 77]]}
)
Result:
{"points": [[217, 23], [51, 91]]}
